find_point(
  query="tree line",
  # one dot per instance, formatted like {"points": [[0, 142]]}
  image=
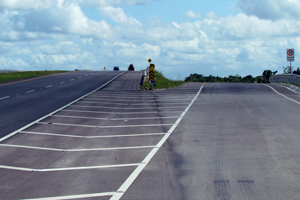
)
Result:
{"points": [[232, 79]]}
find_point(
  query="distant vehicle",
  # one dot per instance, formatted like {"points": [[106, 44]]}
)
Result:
{"points": [[131, 67], [116, 68]]}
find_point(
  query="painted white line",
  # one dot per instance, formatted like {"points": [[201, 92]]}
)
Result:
{"points": [[79, 196], [135, 100], [16, 168], [74, 150], [62, 82], [94, 126], [143, 108], [5, 97], [113, 119], [92, 137], [122, 113], [30, 147], [282, 94], [67, 168], [30, 91], [111, 148], [140, 168], [88, 167], [134, 97], [289, 89], [17, 131], [126, 104], [48, 86], [71, 79]]}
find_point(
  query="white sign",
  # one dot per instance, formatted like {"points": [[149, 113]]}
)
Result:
{"points": [[290, 55]]}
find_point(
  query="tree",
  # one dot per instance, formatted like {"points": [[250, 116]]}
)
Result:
{"points": [[267, 74]]}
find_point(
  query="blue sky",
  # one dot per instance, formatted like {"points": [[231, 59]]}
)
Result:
{"points": [[221, 37]]}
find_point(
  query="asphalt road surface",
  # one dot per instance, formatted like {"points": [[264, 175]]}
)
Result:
{"points": [[212, 141], [26, 101]]}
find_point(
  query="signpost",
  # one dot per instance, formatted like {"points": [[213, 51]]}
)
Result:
{"points": [[151, 73], [290, 57]]}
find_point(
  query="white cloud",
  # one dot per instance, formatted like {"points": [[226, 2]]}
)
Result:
{"points": [[191, 14], [8, 63], [64, 18], [211, 15], [63, 47], [28, 4], [118, 15], [271, 9], [62, 35], [45, 4], [114, 2]]}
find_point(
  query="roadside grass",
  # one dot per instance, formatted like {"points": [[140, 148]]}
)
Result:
{"points": [[161, 82], [14, 76]]}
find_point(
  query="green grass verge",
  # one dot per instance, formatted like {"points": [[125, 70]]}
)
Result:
{"points": [[14, 76], [162, 82]]}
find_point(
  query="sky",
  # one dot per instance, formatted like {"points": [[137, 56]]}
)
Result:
{"points": [[181, 37]]}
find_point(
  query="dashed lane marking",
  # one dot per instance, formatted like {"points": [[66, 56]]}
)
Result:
{"points": [[23, 128], [48, 86], [30, 91], [5, 97]]}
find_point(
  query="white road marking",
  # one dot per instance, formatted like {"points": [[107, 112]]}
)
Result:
{"points": [[17, 131], [125, 104], [30, 91], [127, 108], [134, 97], [62, 82], [79, 196], [136, 100], [143, 164], [31, 147], [5, 97], [94, 126], [67, 168], [121, 113], [71, 79], [92, 137], [113, 119], [282, 94], [75, 150], [48, 86]]}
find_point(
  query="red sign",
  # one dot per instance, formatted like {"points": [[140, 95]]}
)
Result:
{"points": [[290, 52], [290, 55]]}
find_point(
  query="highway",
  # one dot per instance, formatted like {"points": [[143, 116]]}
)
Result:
{"points": [[198, 141], [26, 101]]}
